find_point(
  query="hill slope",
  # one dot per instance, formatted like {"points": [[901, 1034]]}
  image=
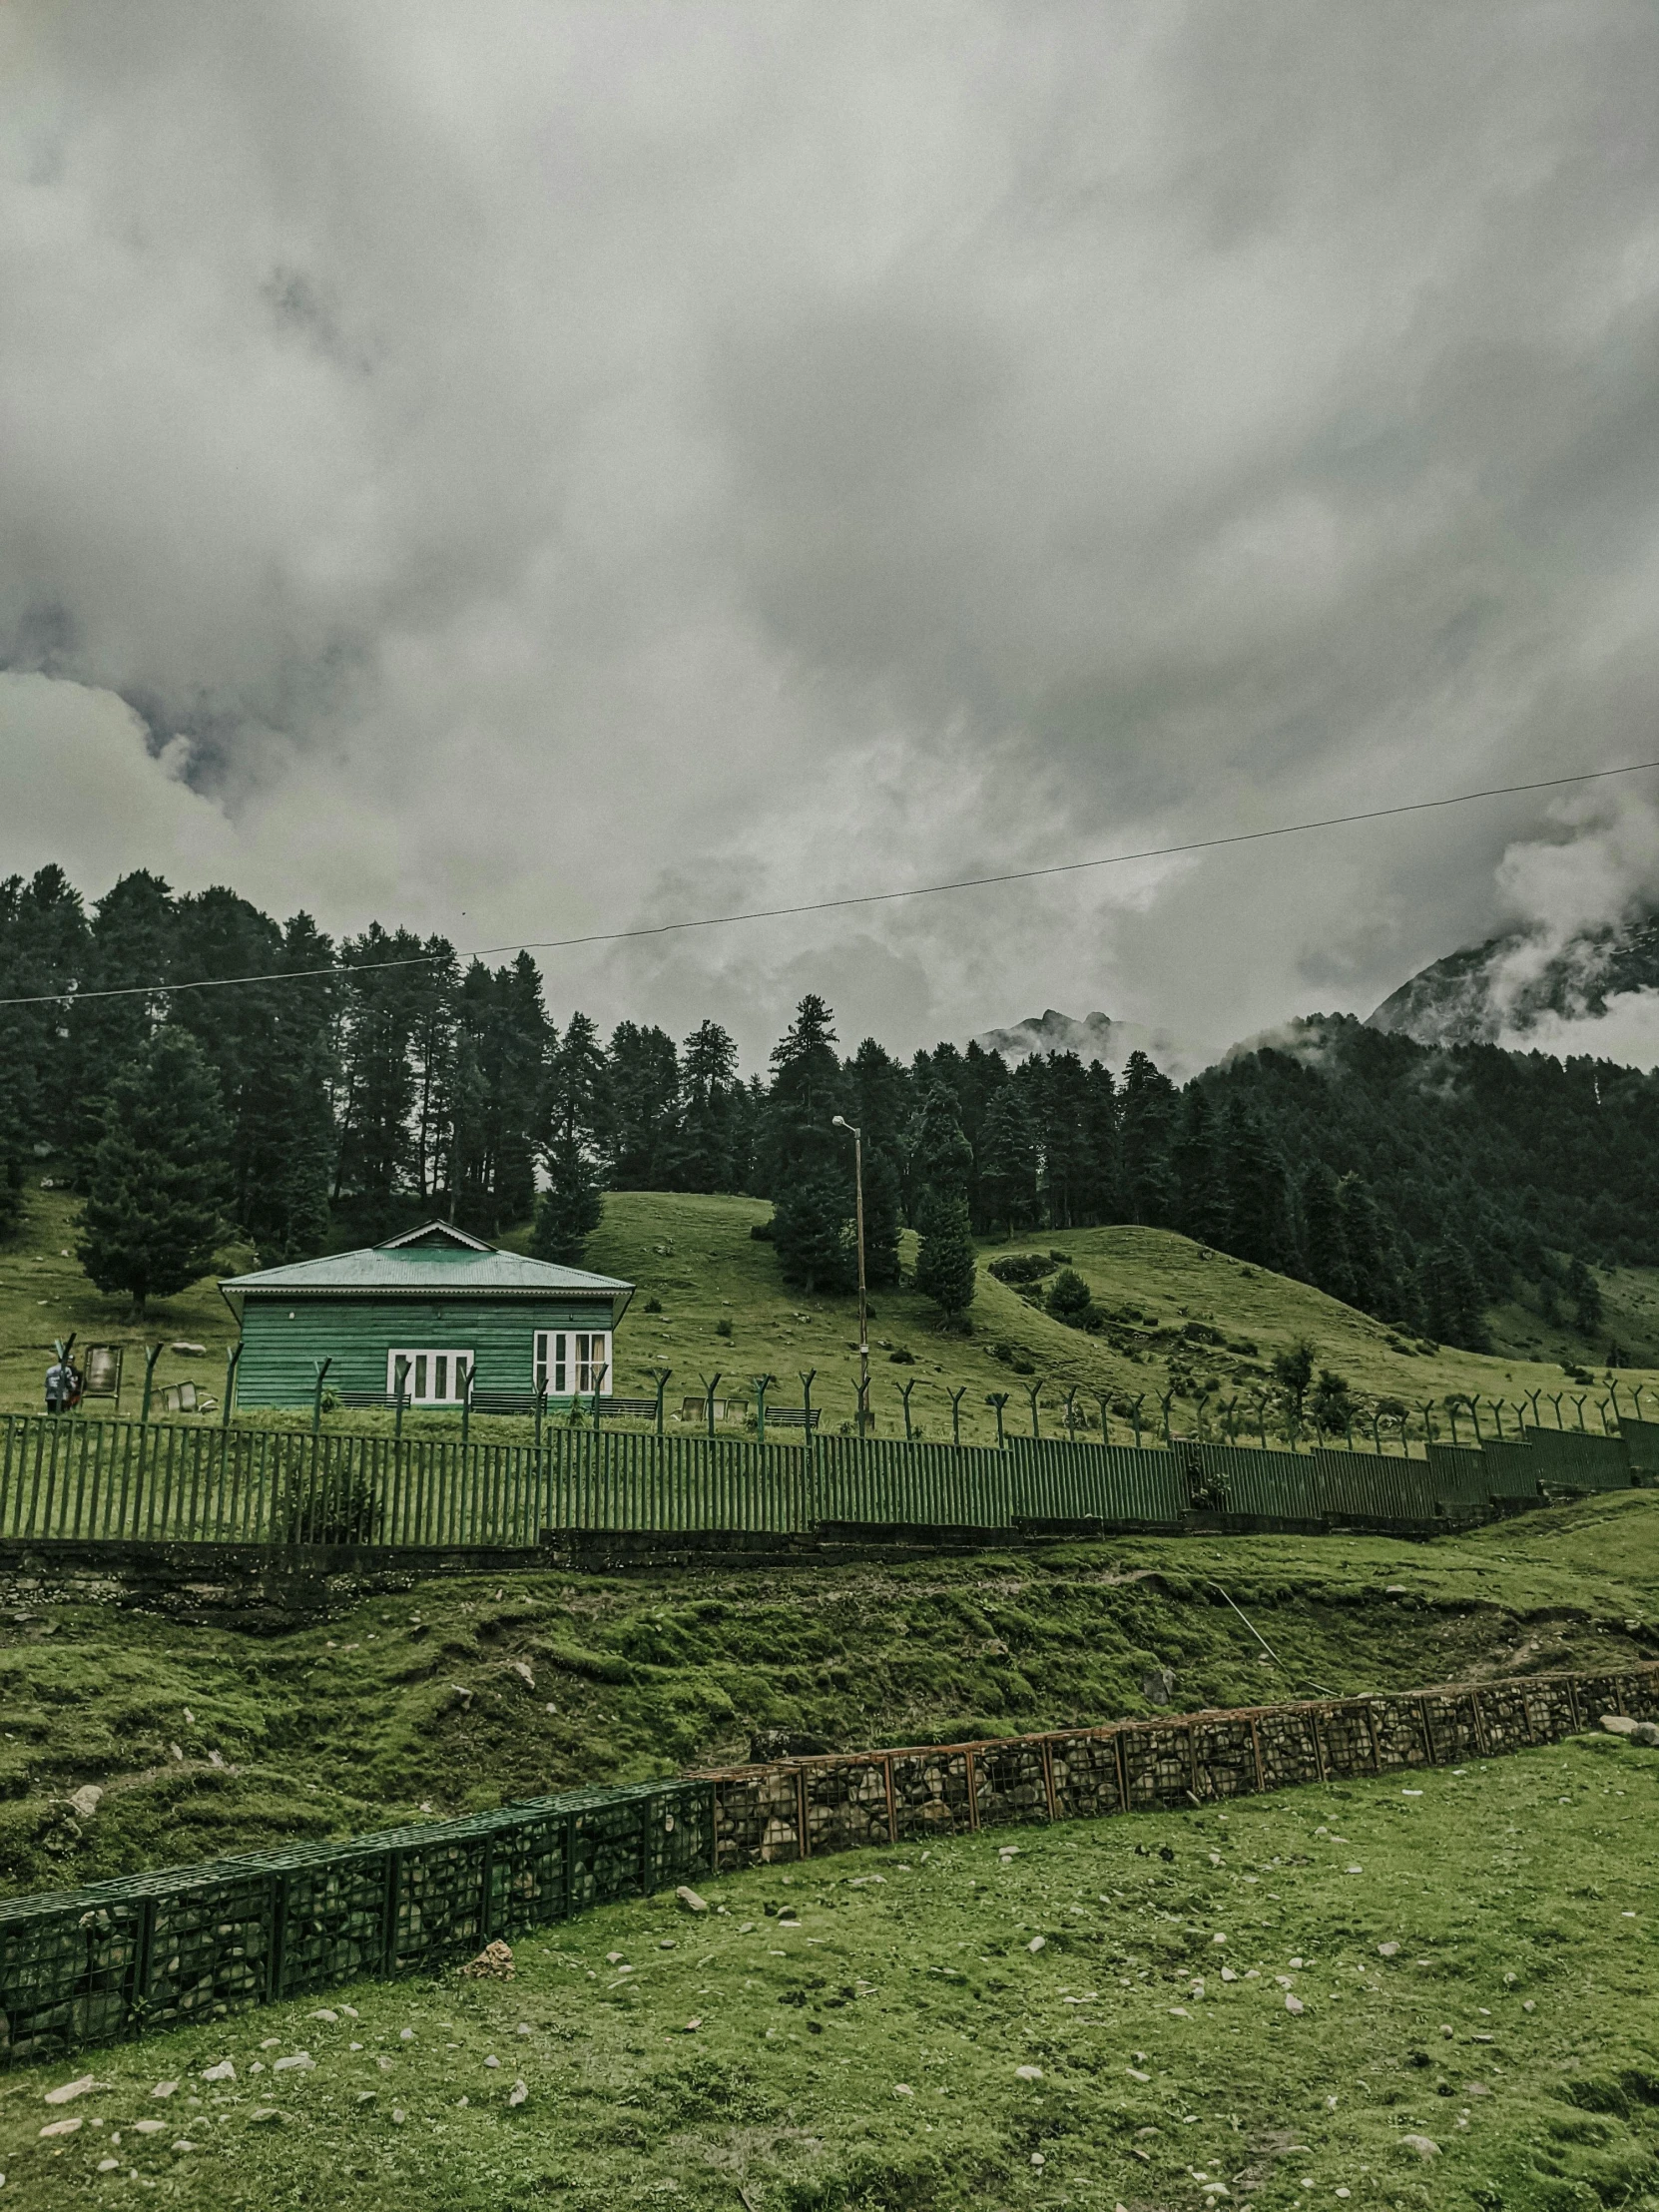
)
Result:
{"points": [[1509, 985]]}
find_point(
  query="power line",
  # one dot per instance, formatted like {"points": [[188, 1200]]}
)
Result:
{"points": [[853, 898]]}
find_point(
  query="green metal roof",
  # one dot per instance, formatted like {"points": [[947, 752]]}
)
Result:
{"points": [[435, 1258]]}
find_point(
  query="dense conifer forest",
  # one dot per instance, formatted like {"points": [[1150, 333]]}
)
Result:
{"points": [[378, 1080]]}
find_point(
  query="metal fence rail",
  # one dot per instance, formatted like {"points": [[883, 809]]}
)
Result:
{"points": [[95, 1481], [190, 1945]]}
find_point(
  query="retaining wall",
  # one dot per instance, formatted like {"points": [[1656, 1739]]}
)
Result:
{"points": [[192, 1944]]}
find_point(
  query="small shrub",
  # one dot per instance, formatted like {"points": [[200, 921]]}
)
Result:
{"points": [[761, 1232], [653, 1305], [1069, 1296], [1022, 1266], [901, 1357], [1022, 1367], [722, 1328]]}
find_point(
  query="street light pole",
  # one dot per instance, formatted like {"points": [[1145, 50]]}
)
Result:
{"points": [[857, 1137]]}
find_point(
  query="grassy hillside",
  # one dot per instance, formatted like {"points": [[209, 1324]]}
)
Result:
{"points": [[1430, 1993], [724, 1310], [413, 1702]]}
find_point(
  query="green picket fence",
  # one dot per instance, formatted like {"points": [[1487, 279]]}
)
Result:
{"points": [[98, 1482]]}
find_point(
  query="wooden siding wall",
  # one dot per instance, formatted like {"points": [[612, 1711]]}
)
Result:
{"points": [[279, 1355]]}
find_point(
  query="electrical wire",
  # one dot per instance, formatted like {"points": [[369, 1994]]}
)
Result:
{"points": [[833, 906]]}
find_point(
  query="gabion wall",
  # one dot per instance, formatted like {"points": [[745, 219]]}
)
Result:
{"points": [[801, 1808]]}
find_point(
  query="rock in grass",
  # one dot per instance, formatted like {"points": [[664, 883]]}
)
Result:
{"points": [[1293, 2003], [1645, 1732], [84, 1801], [1037, 1942], [148, 2127], [690, 1900], [1424, 2146], [62, 2127], [223, 2071], [71, 2091], [264, 2116], [299, 2062], [518, 2092], [1029, 2073], [1618, 1724], [494, 1963]]}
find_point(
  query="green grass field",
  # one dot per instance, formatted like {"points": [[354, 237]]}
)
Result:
{"points": [[1100, 2017], [207, 1741], [724, 1311]]}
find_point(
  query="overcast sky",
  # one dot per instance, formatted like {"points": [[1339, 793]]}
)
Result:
{"points": [[522, 469]]}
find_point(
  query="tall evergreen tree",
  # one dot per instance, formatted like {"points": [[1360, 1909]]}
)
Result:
{"points": [[287, 1141], [946, 1268], [570, 1209], [128, 944], [712, 1113], [1008, 1162], [812, 1233], [1059, 1088], [941, 1158], [645, 1108], [1258, 1192], [806, 1095], [1147, 1107], [1198, 1172], [1104, 1199], [152, 1217], [1325, 1252]]}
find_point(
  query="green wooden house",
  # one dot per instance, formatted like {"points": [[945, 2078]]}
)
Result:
{"points": [[436, 1306]]}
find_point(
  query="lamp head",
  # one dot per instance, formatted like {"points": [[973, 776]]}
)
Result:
{"points": [[837, 1121]]}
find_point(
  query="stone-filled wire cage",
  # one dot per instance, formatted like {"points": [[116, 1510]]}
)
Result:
{"points": [[190, 1946]]}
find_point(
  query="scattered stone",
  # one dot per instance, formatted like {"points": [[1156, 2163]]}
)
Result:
{"points": [[215, 1759], [84, 1801], [299, 2062], [689, 1900], [517, 2094], [148, 2127], [62, 2127], [492, 2062], [1645, 1732], [367, 2096], [1226, 1975], [108, 2165], [1293, 2003], [71, 2091], [494, 1963], [524, 1673], [223, 2071], [463, 1696], [188, 1351], [325, 2014], [1029, 2073], [181, 2144], [1387, 1950], [1618, 1724], [1135, 2075], [1037, 1942], [1158, 1685], [902, 2090], [405, 2035], [1424, 2145], [175, 1752], [164, 2089]]}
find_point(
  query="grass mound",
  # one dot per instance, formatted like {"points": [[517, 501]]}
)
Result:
{"points": [[467, 1694]]}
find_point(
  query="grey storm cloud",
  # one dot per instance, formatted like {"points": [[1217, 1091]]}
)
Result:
{"points": [[530, 469]]}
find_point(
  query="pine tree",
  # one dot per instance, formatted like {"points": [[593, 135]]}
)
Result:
{"points": [[812, 1231], [1258, 1192], [1147, 1108], [945, 1269], [712, 1113], [1325, 1250], [570, 1209], [289, 1139], [1103, 1197], [1197, 1172], [941, 1158], [882, 1220], [130, 944], [1008, 1162], [1059, 1090], [806, 1095], [152, 1217], [645, 1108], [1585, 1293]]}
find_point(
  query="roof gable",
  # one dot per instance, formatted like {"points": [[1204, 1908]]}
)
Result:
{"points": [[435, 1235]]}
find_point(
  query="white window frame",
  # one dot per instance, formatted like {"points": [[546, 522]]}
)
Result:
{"points": [[565, 1361], [421, 1384]]}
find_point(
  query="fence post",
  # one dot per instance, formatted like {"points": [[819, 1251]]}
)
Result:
{"points": [[904, 1389], [232, 1359], [807, 1444], [1578, 1405], [761, 1384], [151, 1353], [1165, 1403], [1103, 1401], [1033, 1391], [541, 1413], [957, 1398], [997, 1399], [599, 1375], [466, 1403], [1070, 1403], [709, 1386], [399, 1383], [661, 1377], [322, 1366], [1135, 1406]]}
